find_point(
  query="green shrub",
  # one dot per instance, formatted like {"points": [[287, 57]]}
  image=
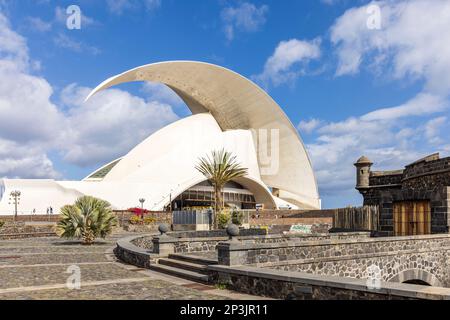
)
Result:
{"points": [[87, 219], [135, 220], [149, 220], [237, 218], [222, 220]]}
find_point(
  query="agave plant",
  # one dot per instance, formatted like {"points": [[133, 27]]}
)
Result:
{"points": [[87, 219], [220, 168]]}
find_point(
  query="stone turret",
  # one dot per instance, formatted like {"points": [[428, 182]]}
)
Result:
{"points": [[362, 172]]}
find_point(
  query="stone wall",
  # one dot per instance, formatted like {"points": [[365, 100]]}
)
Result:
{"points": [[188, 245], [347, 258], [29, 217], [381, 179], [215, 233], [130, 253], [21, 229], [301, 286], [386, 197], [210, 244], [422, 168]]}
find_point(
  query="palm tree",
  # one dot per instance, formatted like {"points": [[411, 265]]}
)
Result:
{"points": [[87, 219], [219, 169]]}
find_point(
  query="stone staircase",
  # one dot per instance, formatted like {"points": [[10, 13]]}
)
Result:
{"points": [[190, 267]]}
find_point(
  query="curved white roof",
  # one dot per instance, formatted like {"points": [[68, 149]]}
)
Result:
{"points": [[235, 103]]}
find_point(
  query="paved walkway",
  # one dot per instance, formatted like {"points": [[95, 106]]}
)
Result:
{"points": [[37, 269]]}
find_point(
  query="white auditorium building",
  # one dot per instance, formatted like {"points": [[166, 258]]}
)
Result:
{"points": [[228, 111]]}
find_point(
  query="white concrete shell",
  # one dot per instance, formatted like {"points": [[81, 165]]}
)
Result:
{"points": [[229, 111], [236, 103]]}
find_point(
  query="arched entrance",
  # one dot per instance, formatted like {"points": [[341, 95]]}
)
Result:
{"points": [[241, 193], [417, 276]]}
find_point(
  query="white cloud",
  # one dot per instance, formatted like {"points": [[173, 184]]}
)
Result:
{"points": [[309, 126], [339, 144], [433, 129], [66, 42], [38, 24], [120, 6], [152, 4], [245, 17], [160, 92], [413, 41], [109, 124], [288, 61], [13, 47], [421, 104], [24, 161], [388, 142], [31, 126], [330, 2], [28, 120], [412, 44]]}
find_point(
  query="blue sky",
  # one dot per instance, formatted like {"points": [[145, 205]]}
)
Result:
{"points": [[350, 89]]}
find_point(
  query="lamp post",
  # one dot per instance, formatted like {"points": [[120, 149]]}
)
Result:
{"points": [[15, 197], [142, 200]]}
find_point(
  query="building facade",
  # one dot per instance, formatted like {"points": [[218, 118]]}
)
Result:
{"points": [[412, 201], [228, 112]]}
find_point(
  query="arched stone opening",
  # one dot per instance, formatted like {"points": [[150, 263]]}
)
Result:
{"points": [[417, 276], [418, 282]]}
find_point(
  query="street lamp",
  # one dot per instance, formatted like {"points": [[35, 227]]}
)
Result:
{"points": [[15, 197], [142, 200]]}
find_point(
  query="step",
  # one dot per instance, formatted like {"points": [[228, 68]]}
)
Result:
{"points": [[180, 264], [193, 259], [185, 274]]}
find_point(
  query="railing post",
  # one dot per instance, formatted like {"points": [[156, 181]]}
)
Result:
{"points": [[232, 252]]}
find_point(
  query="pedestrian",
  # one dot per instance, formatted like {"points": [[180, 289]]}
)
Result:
{"points": [[51, 210], [48, 210]]}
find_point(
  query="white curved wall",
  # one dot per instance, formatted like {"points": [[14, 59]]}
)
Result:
{"points": [[162, 165], [236, 103]]}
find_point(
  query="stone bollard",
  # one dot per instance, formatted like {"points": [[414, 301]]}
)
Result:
{"points": [[163, 228], [232, 232], [163, 244], [232, 252]]}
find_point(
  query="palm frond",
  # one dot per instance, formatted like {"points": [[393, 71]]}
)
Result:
{"points": [[88, 217]]}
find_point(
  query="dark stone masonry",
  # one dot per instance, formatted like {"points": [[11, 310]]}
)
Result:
{"points": [[321, 266], [413, 200], [399, 258]]}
